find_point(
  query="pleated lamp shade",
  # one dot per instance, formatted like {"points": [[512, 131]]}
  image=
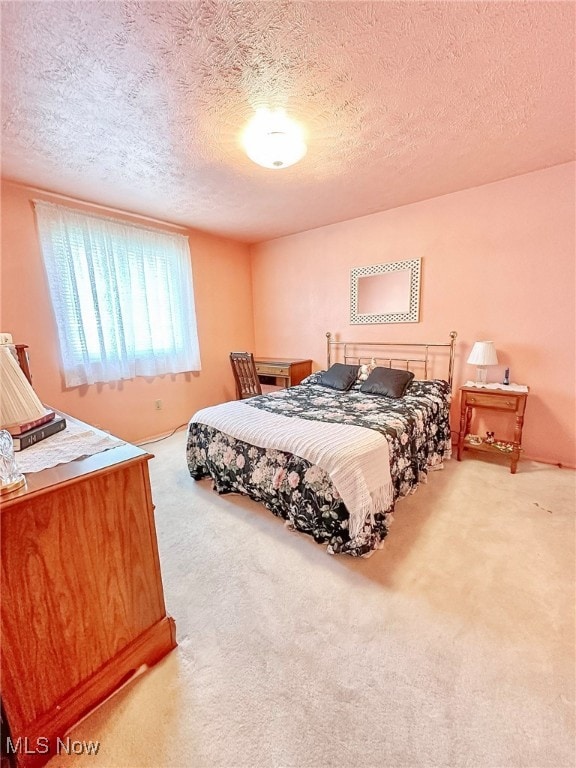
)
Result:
{"points": [[19, 403]]}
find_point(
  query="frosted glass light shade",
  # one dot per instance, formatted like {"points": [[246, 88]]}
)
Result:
{"points": [[273, 140], [10, 476], [483, 354]]}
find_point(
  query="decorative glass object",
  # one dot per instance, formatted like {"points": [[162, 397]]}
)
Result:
{"points": [[19, 404], [10, 476], [273, 140]]}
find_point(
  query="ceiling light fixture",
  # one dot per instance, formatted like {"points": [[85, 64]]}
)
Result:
{"points": [[273, 140]]}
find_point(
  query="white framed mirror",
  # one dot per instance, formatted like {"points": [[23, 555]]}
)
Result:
{"points": [[385, 293]]}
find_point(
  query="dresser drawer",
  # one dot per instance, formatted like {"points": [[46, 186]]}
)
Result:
{"points": [[272, 370], [503, 402]]}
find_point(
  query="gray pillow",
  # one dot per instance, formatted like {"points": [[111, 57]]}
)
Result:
{"points": [[390, 382], [339, 376]]}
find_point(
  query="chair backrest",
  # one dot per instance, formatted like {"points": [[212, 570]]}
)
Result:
{"points": [[245, 376], [24, 360]]}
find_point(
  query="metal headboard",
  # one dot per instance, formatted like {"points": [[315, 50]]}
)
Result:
{"points": [[356, 352]]}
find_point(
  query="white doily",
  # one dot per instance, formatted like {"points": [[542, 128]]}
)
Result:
{"points": [[74, 442], [503, 387]]}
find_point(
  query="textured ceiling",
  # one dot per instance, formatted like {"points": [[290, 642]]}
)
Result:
{"points": [[140, 105]]}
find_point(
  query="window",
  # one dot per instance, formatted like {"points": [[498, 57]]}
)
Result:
{"points": [[122, 296]]}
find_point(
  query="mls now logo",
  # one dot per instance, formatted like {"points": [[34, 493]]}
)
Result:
{"points": [[24, 745]]}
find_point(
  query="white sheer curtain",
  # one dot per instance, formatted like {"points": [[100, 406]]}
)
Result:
{"points": [[122, 296]]}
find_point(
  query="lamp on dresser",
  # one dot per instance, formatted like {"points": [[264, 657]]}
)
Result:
{"points": [[20, 408], [482, 355]]}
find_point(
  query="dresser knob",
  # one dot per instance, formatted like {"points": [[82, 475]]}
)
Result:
{"points": [[509, 402], [471, 399]]}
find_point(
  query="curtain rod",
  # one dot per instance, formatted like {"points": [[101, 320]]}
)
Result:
{"points": [[108, 208]]}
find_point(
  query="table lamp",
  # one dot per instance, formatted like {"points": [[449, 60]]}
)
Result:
{"points": [[19, 404], [482, 355]]}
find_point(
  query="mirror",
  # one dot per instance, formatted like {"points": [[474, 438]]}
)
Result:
{"points": [[385, 293]]}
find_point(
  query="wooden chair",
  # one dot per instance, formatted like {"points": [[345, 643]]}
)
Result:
{"points": [[24, 360], [245, 376]]}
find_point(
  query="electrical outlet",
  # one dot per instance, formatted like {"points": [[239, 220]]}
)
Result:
{"points": [[158, 405]]}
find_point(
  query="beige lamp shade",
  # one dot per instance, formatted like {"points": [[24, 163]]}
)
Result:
{"points": [[19, 403]]}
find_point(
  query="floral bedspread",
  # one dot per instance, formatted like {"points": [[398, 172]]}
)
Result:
{"points": [[416, 426]]}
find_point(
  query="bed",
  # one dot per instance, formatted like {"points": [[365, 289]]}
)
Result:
{"points": [[333, 462]]}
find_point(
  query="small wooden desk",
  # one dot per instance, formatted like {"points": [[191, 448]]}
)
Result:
{"points": [[281, 371], [496, 400]]}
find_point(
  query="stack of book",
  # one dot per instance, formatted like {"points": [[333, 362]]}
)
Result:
{"points": [[32, 432]]}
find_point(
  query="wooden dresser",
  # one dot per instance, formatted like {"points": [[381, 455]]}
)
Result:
{"points": [[282, 372], [82, 599]]}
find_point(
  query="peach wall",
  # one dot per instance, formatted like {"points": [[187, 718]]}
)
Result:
{"points": [[223, 295], [498, 262]]}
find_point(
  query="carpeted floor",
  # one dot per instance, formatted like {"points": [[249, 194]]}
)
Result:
{"points": [[453, 646]]}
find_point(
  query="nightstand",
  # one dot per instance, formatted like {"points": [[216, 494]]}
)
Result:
{"points": [[282, 371], [503, 400]]}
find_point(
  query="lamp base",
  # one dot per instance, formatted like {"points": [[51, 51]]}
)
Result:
{"points": [[481, 375]]}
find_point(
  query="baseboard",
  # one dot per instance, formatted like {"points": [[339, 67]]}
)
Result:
{"points": [[45, 736]]}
